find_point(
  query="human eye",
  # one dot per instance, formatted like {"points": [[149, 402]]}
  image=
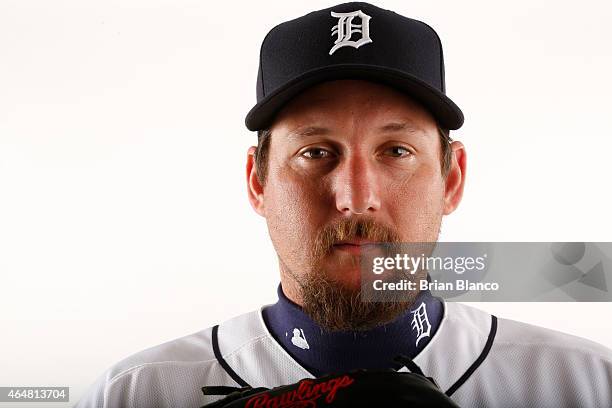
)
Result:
{"points": [[314, 153], [397, 151]]}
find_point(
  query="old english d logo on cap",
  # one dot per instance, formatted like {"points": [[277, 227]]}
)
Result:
{"points": [[354, 40], [345, 29]]}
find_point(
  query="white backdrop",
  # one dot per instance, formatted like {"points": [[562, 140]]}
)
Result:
{"points": [[124, 221]]}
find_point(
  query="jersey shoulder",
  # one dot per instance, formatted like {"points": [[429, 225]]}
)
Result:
{"points": [[189, 348], [528, 365], [180, 366], [512, 333], [192, 348]]}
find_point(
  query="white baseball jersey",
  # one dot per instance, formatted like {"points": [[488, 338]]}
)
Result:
{"points": [[477, 359]]}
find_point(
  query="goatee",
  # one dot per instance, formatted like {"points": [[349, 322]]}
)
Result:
{"points": [[335, 306]]}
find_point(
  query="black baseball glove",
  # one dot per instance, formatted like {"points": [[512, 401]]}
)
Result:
{"points": [[353, 389]]}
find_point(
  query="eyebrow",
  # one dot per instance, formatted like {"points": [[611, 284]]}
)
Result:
{"points": [[401, 126], [310, 131]]}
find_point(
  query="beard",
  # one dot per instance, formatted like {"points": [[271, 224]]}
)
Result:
{"points": [[336, 306]]}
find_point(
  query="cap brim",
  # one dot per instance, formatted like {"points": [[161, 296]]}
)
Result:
{"points": [[446, 112]]}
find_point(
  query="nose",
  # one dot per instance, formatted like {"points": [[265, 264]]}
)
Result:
{"points": [[356, 186]]}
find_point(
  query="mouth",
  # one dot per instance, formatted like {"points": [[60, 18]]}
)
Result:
{"points": [[355, 246]]}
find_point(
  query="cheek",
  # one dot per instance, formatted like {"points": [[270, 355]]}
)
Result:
{"points": [[295, 209], [415, 204]]}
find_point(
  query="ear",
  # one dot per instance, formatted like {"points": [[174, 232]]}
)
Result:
{"points": [[254, 187], [455, 180]]}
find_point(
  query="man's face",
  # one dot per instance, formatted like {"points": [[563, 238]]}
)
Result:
{"points": [[350, 162]]}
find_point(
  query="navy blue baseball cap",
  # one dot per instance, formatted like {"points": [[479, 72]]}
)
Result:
{"points": [[352, 41]]}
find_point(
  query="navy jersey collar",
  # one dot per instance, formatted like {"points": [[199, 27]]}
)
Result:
{"points": [[323, 352]]}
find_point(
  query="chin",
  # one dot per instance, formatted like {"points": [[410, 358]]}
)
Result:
{"points": [[346, 275], [347, 279], [350, 284]]}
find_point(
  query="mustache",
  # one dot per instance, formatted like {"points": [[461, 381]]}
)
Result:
{"points": [[352, 228]]}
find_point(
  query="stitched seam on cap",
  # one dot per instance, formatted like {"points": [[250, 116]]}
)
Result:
{"points": [[443, 81], [263, 83]]}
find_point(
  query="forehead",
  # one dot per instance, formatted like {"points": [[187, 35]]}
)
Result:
{"points": [[350, 102]]}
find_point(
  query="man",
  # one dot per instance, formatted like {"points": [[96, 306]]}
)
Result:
{"points": [[354, 150]]}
